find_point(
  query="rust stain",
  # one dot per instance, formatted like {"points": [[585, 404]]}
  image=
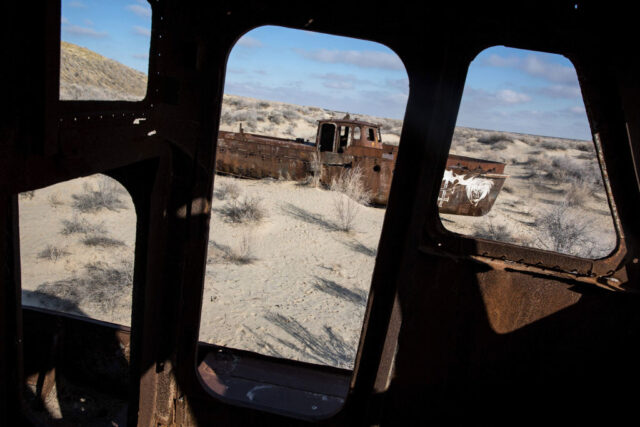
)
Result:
{"points": [[469, 186]]}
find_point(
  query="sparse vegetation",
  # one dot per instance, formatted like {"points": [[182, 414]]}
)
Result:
{"points": [[52, 253], [226, 190], [243, 255], [316, 169], [101, 284], [27, 195], [350, 194], [107, 196], [562, 230], [102, 241], [244, 209], [55, 201], [80, 225], [493, 231], [496, 140]]}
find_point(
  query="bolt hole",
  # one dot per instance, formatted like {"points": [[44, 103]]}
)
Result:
{"points": [[376, 168]]}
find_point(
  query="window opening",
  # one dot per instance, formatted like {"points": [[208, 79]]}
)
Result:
{"points": [[371, 136], [291, 252], [356, 134], [344, 138], [522, 159], [327, 136], [77, 242], [104, 50]]}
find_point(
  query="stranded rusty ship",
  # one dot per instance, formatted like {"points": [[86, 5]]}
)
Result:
{"points": [[469, 186]]}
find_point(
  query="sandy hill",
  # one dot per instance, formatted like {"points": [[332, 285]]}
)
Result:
{"points": [[86, 75]]}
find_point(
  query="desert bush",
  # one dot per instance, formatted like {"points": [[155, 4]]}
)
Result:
{"points": [[52, 253], [276, 117], [77, 225], [585, 146], [54, 200], [244, 253], [105, 197], [497, 232], [350, 194], [28, 195], [102, 241], [551, 144], [227, 190], [245, 209], [563, 231], [316, 169], [101, 284], [290, 115], [493, 139], [578, 193]]}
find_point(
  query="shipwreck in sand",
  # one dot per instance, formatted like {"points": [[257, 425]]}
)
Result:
{"points": [[469, 186]]}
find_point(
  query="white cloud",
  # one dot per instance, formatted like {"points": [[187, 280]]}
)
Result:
{"points": [[535, 66], [509, 96], [141, 31], [337, 85], [77, 5], [578, 109], [400, 84], [248, 41], [364, 59], [76, 30], [499, 61], [63, 20], [140, 10], [562, 91], [144, 56]]}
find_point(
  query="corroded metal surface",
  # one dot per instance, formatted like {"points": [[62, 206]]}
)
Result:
{"points": [[469, 186]]}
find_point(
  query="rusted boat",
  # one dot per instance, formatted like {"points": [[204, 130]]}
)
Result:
{"points": [[469, 186]]}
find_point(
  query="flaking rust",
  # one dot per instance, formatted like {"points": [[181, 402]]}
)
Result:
{"points": [[469, 186]]}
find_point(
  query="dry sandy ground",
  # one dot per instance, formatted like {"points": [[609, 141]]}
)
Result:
{"points": [[291, 284]]}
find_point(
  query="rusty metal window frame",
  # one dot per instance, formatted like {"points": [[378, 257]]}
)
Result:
{"points": [[607, 272]]}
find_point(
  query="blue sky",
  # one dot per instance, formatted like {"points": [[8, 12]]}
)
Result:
{"points": [[506, 89]]}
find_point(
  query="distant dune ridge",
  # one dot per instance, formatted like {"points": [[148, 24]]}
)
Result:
{"points": [[86, 75]]}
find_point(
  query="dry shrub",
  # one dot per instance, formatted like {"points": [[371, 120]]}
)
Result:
{"points": [[27, 195], [107, 196], [244, 253], [102, 241], [497, 232], [227, 190], [350, 194], [245, 209], [496, 140], [316, 169], [563, 231], [54, 200], [52, 253], [101, 284], [81, 226], [552, 144]]}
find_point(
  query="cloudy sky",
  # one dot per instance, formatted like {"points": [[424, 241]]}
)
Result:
{"points": [[506, 89]]}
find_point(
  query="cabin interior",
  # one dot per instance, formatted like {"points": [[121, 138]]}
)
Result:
{"points": [[457, 329]]}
